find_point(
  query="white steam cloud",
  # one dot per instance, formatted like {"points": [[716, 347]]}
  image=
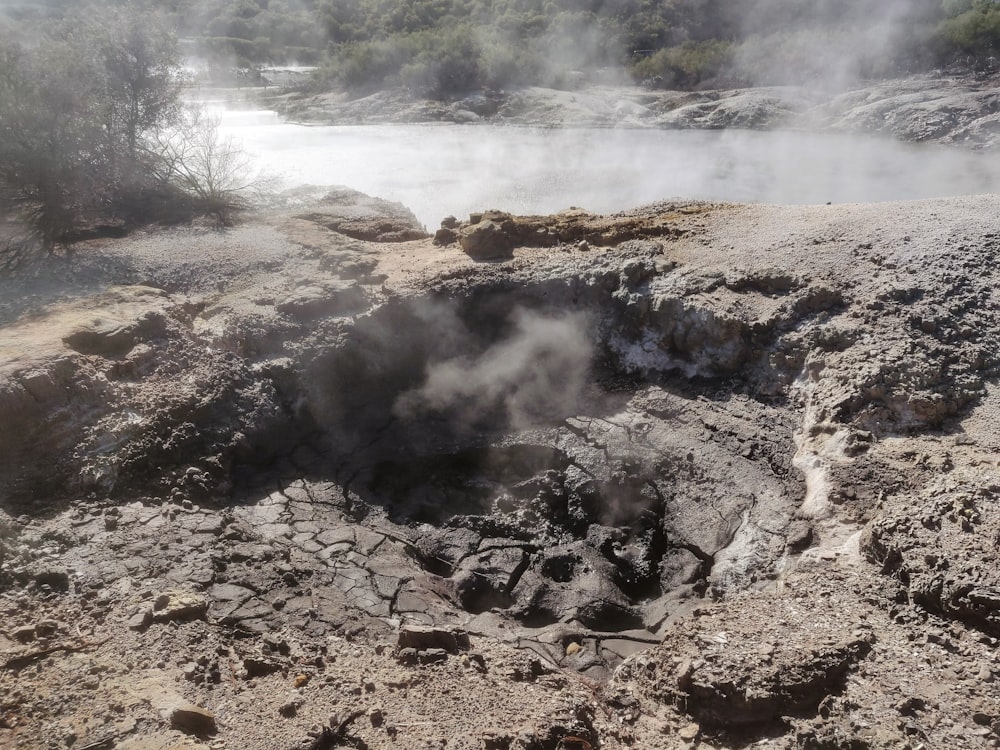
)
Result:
{"points": [[537, 372], [832, 44]]}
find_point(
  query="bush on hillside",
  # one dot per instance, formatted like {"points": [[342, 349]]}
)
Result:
{"points": [[685, 65], [975, 31]]}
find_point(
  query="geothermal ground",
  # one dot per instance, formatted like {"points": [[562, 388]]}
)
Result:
{"points": [[695, 475]]}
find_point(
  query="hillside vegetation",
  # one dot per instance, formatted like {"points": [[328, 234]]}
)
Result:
{"points": [[442, 47]]}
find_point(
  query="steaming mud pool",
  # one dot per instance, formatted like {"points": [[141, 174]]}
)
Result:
{"points": [[442, 169]]}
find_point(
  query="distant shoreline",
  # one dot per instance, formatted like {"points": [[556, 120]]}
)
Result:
{"points": [[954, 109]]}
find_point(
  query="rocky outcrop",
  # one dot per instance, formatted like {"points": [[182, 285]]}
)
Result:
{"points": [[493, 235], [76, 420], [959, 109], [364, 218], [944, 110]]}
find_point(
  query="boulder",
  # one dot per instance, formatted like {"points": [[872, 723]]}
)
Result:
{"points": [[486, 241]]}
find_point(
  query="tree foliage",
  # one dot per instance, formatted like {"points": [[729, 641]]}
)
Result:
{"points": [[682, 43], [974, 29], [52, 142], [364, 44], [85, 110]]}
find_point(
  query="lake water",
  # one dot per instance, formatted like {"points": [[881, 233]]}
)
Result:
{"points": [[438, 170]]}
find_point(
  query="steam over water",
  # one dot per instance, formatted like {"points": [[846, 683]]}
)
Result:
{"points": [[437, 170]]}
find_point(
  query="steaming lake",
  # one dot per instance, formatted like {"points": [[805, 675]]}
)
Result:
{"points": [[442, 169]]}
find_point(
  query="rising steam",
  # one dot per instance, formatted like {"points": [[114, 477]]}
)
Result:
{"points": [[537, 372]]}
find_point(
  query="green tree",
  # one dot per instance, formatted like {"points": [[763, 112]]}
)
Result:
{"points": [[975, 30], [137, 64], [50, 141], [76, 109]]}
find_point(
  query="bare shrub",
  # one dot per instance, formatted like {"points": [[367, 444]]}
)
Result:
{"points": [[208, 167]]}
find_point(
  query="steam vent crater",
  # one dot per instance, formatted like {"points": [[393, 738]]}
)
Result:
{"points": [[691, 468]]}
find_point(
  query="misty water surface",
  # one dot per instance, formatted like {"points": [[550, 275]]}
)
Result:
{"points": [[438, 170]]}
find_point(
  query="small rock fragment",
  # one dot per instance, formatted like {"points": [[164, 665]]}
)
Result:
{"points": [[23, 634], [486, 241], [688, 732], [55, 578], [193, 719], [422, 637], [445, 236], [910, 706], [179, 605], [256, 666], [684, 673], [140, 620], [407, 656], [290, 708], [477, 661], [432, 656], [46, 628]]}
